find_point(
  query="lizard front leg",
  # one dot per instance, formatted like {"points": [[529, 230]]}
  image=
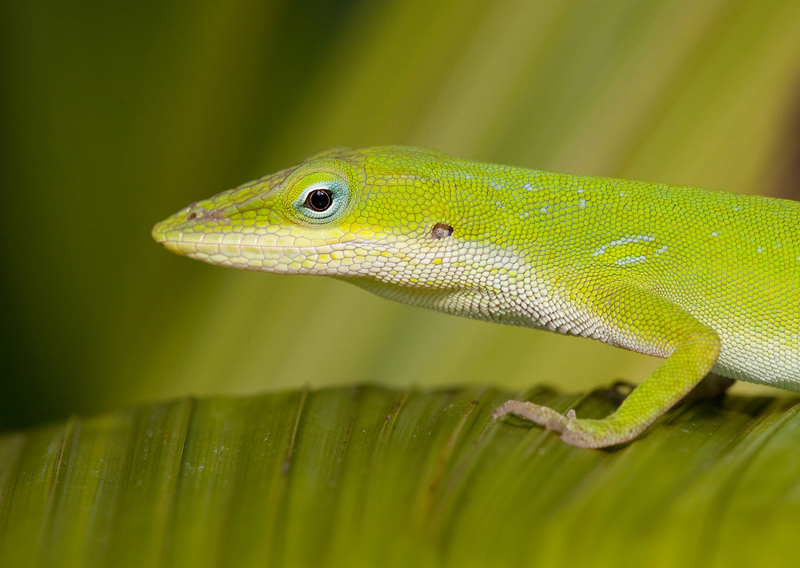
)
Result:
{"points": [[658, 323]]}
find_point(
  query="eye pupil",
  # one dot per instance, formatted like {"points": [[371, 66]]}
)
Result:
{"points": [[319, 200]]}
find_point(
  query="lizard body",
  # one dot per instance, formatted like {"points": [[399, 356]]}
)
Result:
{"points": [[708, 280]]}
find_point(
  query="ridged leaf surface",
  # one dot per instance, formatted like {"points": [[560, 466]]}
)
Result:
{"points": [[368, 476]]}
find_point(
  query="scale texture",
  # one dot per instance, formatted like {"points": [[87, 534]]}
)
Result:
{"points": [[708, 280]]}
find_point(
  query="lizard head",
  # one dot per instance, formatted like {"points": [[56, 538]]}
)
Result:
{"points": [[348, 213]]}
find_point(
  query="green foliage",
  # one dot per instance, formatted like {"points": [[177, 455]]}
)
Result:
{"points": [[116, 115], [367, 476]]}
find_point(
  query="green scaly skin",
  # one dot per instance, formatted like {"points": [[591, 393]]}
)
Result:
{"points": [[708, 280]]}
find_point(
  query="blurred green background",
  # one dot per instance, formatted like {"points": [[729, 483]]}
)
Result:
{"points": [[115, 115]]}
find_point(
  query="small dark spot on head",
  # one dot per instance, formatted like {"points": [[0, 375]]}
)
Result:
{"points": [[191, 216], [441, 230]]}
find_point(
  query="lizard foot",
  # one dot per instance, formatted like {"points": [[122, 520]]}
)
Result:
{"points": [[582, 433]]}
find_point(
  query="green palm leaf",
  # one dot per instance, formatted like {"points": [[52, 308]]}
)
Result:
{"points": [[367, 476]]}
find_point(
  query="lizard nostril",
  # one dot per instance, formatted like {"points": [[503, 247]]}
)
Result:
{"points": [[441, 230]]}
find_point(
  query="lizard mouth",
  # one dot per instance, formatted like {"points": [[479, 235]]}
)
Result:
{"points": [[168, 234], [159, 233], [268, 251]]}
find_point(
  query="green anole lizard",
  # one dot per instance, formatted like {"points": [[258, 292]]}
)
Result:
{"points": [[708, 280]]}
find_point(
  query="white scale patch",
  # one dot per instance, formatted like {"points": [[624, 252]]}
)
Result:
{"points": [[479, 282], [625, 260], [624, 241]]}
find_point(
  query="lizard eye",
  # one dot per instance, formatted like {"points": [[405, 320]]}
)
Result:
{"points": [[317, 197], [319, 200]]}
